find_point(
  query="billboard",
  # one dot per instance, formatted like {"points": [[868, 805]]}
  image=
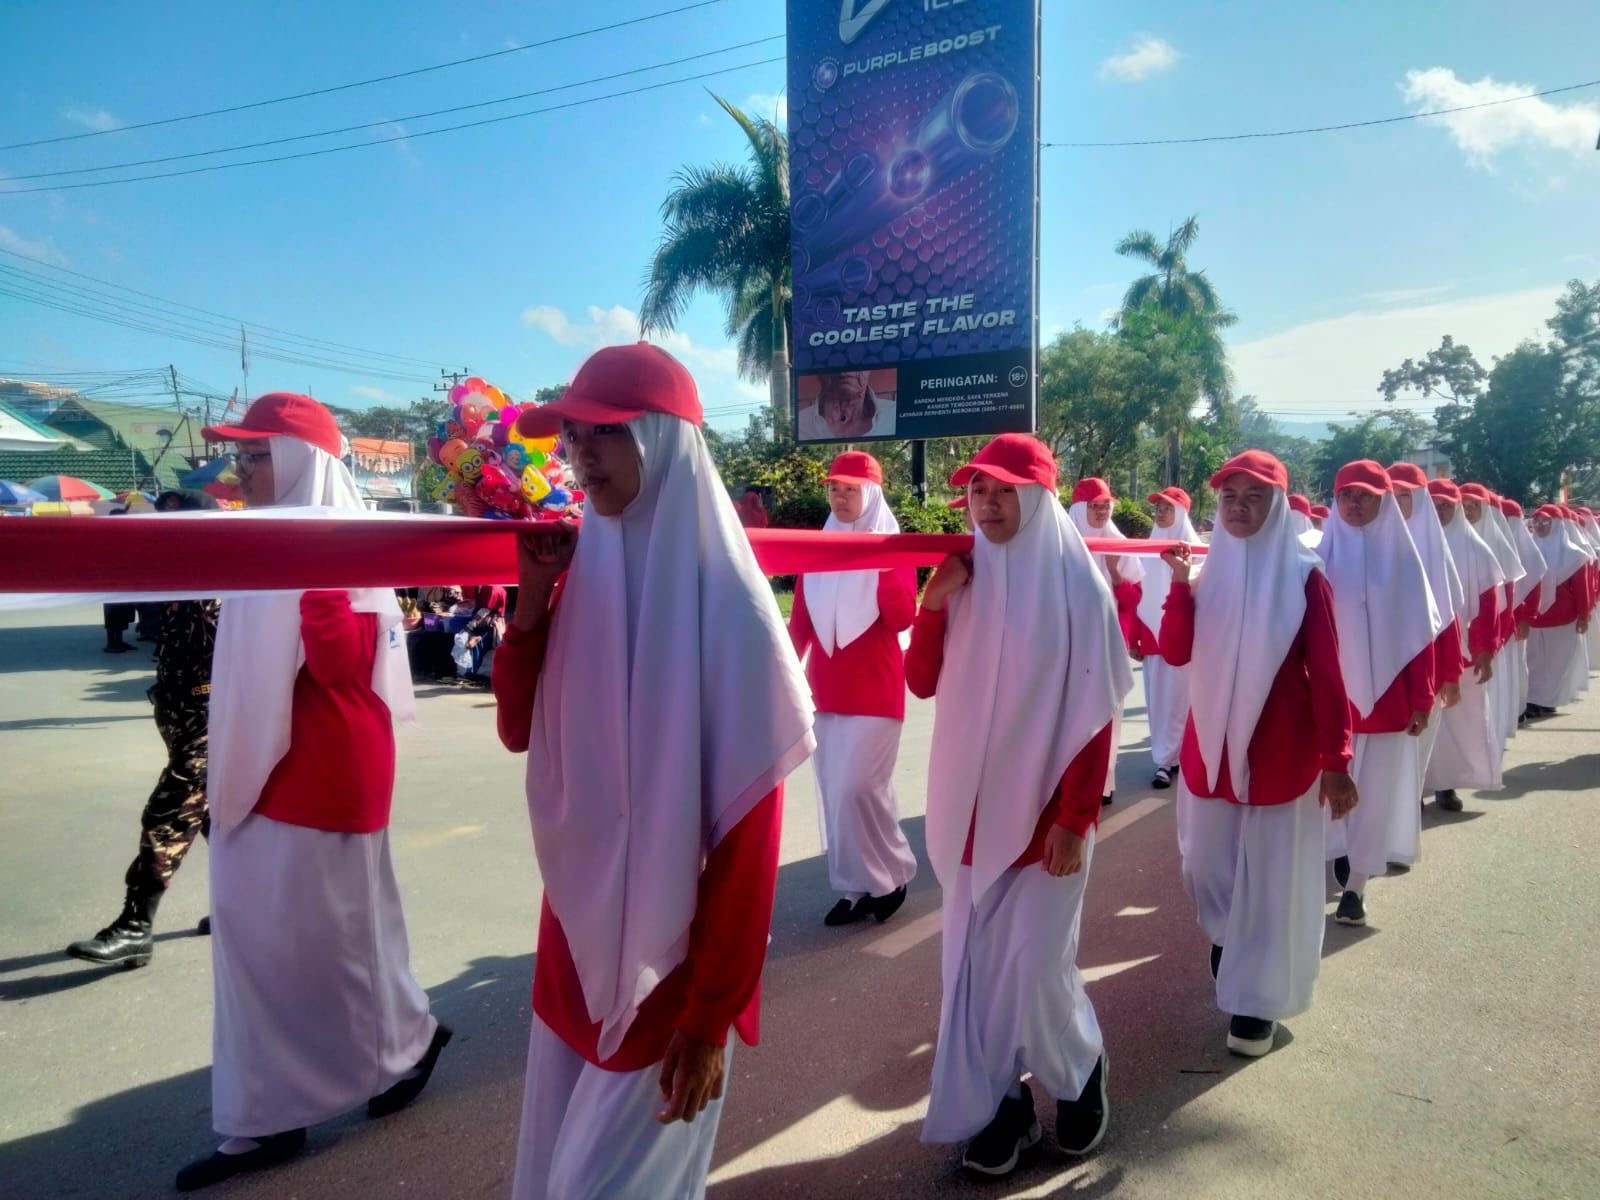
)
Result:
{"points": [[913, 158]]}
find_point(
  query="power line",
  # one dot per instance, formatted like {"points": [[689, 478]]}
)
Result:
{"points": [[532, 112], [360, 83], [1277, 133], [392, 121]]}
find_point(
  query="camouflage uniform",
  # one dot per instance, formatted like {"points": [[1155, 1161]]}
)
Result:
{"points": [[176, 810]]}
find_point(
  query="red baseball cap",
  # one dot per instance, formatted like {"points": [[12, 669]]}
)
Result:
{"points": [[1320, 512], [1257, 464], [1014, 458], [282, 414], [959, 502], [1476, 491], [1510, 507], [1091, 490], [856, 466], [619, 383], [1170, 495], [1364, 475], [1407, 475], [1444, 489], [1299, 503], [1552, 511]]}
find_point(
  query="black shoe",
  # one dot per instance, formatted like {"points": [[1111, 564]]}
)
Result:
{"points": [[404, 1092], [1105, 801], [884, 907], [1163, 778], [1352, 909], [116, 647], [1216, 960], [271, 1151], [997, 1148], [848, 912], [1250, 1036], [1081, 1123], [129, 940], [1447, 800], [1341, 871], [204, 928]]}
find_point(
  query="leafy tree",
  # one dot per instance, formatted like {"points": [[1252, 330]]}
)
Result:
{"points": [[1383, 436], [1094, 395], [415, 423], [727, 232], [1449, 373]]}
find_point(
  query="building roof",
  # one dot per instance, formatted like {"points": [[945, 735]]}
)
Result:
{"points": [[117, 470], [19, 431], [158, 436]]}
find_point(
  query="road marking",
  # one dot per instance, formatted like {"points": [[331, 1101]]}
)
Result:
{"points": [[914, 933], [1096, 974]]}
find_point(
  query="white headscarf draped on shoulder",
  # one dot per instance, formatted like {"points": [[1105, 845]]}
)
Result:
{"points": [[1492, 528], [1427, 535], [1249, 604], [844, 604], [1382, 604], [1475, 561], [1089, 490], [259, 652], [1034, 668], [1157, 583], [670, 701], [1563, 554], [1528, 553]]}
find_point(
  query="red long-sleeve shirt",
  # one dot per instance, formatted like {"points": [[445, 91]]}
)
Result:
{"points": [[1075, 803], [1127, 597], [1482, 634], [1412, 691], [1305, 725], [718, 984], [1506, 627], [867, 678], [1565, 610], [338, 773], [1447, 661]]}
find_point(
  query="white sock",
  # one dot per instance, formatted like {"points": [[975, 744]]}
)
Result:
{"points": [[238, 1145]]}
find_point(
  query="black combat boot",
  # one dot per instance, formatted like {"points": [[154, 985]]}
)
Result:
{"points": [[129, 940]]}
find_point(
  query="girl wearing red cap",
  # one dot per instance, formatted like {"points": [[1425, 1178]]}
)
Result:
{"points": [[1020, 646], [1166, 687], [1533, 565], [1469, 750], [661, 706], [1387, 621], [316, 1008], [1267, 743], [1588, 528], [1302, 520], [1092, 505], [851, 621], [1482, 508], [1555, 617]]}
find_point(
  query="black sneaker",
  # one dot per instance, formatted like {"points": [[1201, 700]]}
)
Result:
{"points": [[1341, 871], [1015, 1128], [1105, 801], [884, 907], [1216, 960], [1352, 909], [1447, 800], [1081, 1123], [1162, 779], [848, 912], [1250, 1036]]}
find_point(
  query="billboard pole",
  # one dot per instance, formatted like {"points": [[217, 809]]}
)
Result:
{"points": [[919, 472]]}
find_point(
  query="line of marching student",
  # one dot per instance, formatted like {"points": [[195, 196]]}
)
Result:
{"points": [[1294, 697]]}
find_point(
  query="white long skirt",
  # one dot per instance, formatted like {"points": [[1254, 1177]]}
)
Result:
{"points": [[1386, 826], [1256, 875], [316, 1007], [1558, 666], [1166, 700], [868, 854], [592, 1134], [1591, 641], [1014, 999], [1520, 650], [1469, 750], [1503, 689], [1116, 745]]}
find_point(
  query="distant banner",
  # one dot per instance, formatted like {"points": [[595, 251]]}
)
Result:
{"points": [[913, 159]]}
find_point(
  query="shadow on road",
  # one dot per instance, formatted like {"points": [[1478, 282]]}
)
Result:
{"points": [[1576, 774]]}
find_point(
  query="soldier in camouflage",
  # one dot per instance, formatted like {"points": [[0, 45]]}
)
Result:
{"points": [[176, 810]]}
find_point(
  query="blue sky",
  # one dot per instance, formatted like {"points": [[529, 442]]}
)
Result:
{"points": [[516, 248]]}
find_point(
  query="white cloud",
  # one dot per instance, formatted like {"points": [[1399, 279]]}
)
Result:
{"points": [[1485, 132], [774, 108], [1149, 56], [377, 395], [41, 248], [1333, 366], [612, 326], [97, 119], [1405, 296]]}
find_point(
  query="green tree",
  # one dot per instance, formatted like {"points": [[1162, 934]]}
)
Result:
{"points": [[415, 423], [1385, 437], [1449, 373], [727, 232], [1091, 402], [1195, 316]]}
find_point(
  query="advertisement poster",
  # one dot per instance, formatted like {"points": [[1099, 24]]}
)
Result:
{"points": [[913, 144]]}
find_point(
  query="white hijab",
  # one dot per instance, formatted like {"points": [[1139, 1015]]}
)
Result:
{"points": [[1128, 565], [1528, 553], [844, 604], [1427, 535], [1588, 532], [670, 704], [1249, 605], [259, 652], [1477, 565], [1158, 578], [1384, 609], [1492, 528], [1563, 556], [1034, 668]]}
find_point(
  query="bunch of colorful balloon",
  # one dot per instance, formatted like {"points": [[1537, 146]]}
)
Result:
{"points": [[482, 466]]}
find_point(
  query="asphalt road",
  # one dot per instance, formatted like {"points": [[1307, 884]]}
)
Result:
{"points": [[1451, 1051]]}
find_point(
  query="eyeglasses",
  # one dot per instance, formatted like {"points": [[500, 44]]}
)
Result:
{"points": [[245, 461]]}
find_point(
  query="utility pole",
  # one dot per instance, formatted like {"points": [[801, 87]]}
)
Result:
{"points": [[449, 379]]}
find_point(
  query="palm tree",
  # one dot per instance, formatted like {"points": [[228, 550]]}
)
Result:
{"points": [[1193, 312], [727, 232]]}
